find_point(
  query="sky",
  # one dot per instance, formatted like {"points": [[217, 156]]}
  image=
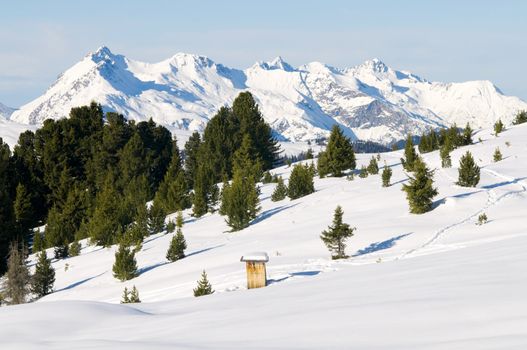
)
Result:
{"points": [[439, 40]]}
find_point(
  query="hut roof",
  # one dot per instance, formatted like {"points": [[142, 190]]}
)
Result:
{"points": [[256, 256]]}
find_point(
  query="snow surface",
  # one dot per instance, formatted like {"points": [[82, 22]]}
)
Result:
{"points": [[371, 101], [431, 281]]}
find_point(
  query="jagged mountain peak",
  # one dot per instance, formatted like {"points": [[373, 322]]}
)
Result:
{"points": [[371, 101]]}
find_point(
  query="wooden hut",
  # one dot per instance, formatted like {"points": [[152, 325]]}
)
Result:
{"points": [[255, 266]]}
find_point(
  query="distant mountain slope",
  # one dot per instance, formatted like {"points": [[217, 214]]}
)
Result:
{"points": [[370, 101], [5, 112]]}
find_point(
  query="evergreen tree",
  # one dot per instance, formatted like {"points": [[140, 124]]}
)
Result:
{"points": [[106, 221], [300, 182], [373, 167], [409, 154], [44, 277], [134, 296], [497, 155], [206, 192], [386, 176], [521, 118], [125, 265], [176, 250], [420, 190], [240, 201], [38, 242], [204, 287], [156, 218], [126, 296], [335, 236], [498, 127], [267, 178], [75, 248], [467, 135], [17, 278], [363, 173], [23, 210], [192, 147], [444, 153], [173, 190], [338, 156], [280, 191], [468, 171]]}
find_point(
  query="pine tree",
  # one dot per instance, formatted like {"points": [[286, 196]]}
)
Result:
{"points": [[373, 167], [134, 296], [521, 118], [172, 194], [204, 287], [409, 154], [44, 277], [386, 176], [420, 190], [497, 155], [17, 280], [126, 296], [280, 191], [23, 210], [498, 127], [191, 158], [444, 153], [171, 226], [363, 173], [177, 247], [300, 182], [125, 265], [335, 236], [156, 218], [467, 135], [338, 156], [75, 248], [240, 201], [38, 242], [468, 173]]}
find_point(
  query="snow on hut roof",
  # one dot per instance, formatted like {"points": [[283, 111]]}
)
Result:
{"points": [[256, 256]]}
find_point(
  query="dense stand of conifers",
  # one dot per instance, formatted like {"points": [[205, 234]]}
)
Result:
{"points": [[91, 175]]}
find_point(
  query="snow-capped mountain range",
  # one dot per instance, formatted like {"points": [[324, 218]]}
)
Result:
{"points": [[370, 101]]}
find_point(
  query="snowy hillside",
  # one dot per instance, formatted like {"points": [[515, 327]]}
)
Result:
{"points": [[5, 112], [371, 101], [430, 281]]}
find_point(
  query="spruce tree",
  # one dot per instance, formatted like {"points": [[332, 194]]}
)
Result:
{"points": [[363, 173], [386, 176], [177, 247], [498, 127], [420, 190], [467, 135], [335, 236], [300, 182], [410, 154], [23, 210], [192, 147], [338, 156], [75, 248], [520, 118], [38, 242], [125, 265], [172, 194], [240, 201], [468, 173], [497, 155], [280, 191], [156, 218], [44, 277], [204, 287], [373, 167], [17, 278], [444, 153], [134, 296], [126, 296]]}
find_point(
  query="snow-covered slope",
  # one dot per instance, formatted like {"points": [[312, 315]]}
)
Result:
{"points": [[10, 130], [430, 281], [370, 101], [5, 112]]}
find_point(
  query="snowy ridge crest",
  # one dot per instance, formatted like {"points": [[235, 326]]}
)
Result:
{"points": [[370, 101]]}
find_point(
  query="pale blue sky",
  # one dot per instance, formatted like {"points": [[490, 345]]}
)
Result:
{"points": [[438, 40]]}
